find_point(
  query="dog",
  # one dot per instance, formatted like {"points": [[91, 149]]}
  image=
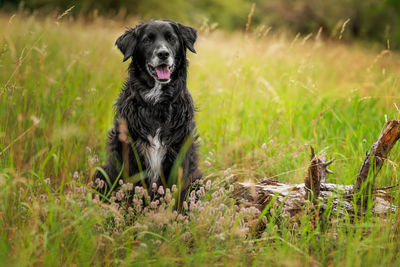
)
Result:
{"points": [[154, 130]]}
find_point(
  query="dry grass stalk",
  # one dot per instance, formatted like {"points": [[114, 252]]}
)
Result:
{"points": [[253, 5]]}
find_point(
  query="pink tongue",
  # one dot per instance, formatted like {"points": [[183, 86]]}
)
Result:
{"points": [[163, 72]]}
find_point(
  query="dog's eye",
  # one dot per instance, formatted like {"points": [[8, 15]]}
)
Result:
{"points": [[147, 40], [171, 39]]}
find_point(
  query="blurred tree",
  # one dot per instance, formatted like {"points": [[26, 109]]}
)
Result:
{"points": [[368, 19]]}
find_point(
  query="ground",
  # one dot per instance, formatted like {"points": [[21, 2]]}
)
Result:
{"points": [[261, 99]]}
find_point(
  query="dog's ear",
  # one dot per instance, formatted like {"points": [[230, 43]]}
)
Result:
{"points": [[127, 42], [188, 35]]}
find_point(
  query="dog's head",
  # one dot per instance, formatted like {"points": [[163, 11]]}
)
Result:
{"points": [[158, 47]]}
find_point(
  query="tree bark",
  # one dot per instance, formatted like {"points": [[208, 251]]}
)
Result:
{"points": [[373, 162]]}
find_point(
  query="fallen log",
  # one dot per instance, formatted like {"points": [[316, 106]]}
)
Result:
{"points": [[290, 198], [294, 198]]}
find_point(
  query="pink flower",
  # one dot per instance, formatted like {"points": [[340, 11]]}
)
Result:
{"points": [[161, 190]]}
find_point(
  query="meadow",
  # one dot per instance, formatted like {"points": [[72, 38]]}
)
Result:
{"points": [[262, 97]]}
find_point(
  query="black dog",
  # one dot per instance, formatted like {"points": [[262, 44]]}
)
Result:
{"points": [[154, 119]]}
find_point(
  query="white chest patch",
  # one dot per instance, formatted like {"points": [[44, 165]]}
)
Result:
{"points": [[154, 155], [155, 93]]}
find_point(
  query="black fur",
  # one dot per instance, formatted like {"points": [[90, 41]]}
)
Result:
{"points": [[173, 113]]}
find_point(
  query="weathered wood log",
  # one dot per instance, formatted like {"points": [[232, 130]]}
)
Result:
{"points": [[316, 175], [339, 199], [373, 162]]}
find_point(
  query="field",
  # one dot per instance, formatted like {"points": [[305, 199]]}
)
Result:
{"points": [[262, 99]]}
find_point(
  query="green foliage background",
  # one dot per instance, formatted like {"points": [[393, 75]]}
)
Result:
{"points": [[376, 20]]}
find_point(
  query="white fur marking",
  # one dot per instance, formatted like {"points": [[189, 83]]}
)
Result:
{"points": [[154, 93], [154, 155]]}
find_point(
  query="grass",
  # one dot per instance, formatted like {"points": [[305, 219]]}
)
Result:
{"points": [[261, 101]]}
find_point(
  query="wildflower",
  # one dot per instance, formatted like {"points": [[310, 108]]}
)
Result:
{"points": [[124, 187], [153, 205], [35, 120], [154, 186], [130, 186], [174, 188], [99, 183], [264, 146], [185, 205], [119, 195], [208, 185], [231, 188], [221, 236], [47, 181], [139, 191], [121, 182], [215, 195], [138, 207], [93, 160], [192, 196], [161, 190], [76, 175], [264, 235], [201, 192], [168, 196], [264, 220]]}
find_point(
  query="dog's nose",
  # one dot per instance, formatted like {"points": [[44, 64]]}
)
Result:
{"points": [[164, 54]]}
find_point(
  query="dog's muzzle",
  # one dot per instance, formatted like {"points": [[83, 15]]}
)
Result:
{"points": [[161, 65]]}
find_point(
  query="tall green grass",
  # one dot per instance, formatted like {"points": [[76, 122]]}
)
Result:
{"points": [[261, 102]]}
